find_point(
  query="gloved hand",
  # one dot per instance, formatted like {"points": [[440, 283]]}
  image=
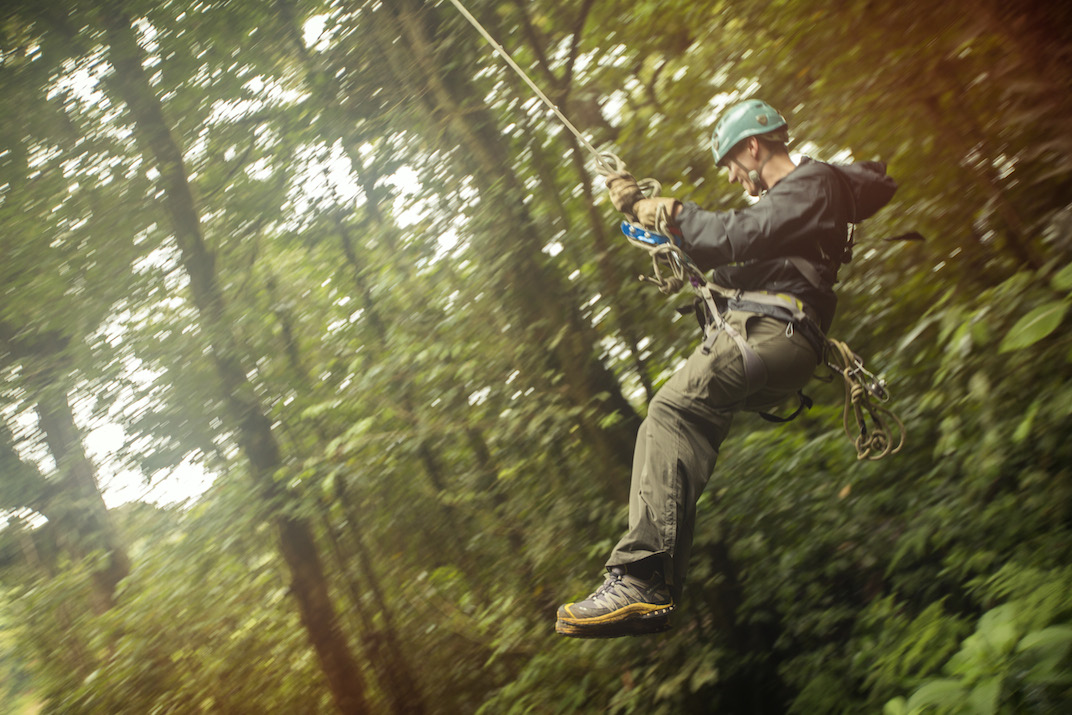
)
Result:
{"points": [[647, 210], [624, 192]]}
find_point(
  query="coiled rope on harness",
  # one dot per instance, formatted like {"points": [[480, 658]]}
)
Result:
{"points": [[861, 386]]}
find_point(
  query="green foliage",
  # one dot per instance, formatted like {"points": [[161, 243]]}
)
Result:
{"points": [[16, 678], [1017, 660], [204, 595], [419, 289], [1034, 326]]}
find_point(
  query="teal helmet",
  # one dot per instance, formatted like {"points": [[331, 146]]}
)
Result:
{"points": [[749, 118]]}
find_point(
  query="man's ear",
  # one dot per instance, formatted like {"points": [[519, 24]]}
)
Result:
{"points": [[753, 147]]}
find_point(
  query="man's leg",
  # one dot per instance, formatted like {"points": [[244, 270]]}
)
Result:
{"points": [[677, 445], [676, 450]]}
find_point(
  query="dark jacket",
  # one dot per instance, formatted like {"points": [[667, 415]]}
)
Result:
{"points": [[804, 217]]}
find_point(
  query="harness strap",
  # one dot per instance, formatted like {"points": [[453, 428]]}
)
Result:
{"points": [[796, 307], [804, 403], [806, 269], [776, 305], [755, 372]]}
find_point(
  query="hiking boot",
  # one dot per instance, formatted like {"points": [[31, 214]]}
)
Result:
{"points": [[623, 606]]}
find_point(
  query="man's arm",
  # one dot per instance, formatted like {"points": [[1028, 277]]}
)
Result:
{"points": [[794, 211]]}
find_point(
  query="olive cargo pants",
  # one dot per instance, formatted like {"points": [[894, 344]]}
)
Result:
{"points": [[688, 419]]}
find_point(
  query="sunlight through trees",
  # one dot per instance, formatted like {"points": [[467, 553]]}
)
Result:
{"points": [[333, 258]]}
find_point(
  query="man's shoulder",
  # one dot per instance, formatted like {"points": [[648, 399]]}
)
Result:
{"points": [[808, 168], [865, 183], [809, 173]]}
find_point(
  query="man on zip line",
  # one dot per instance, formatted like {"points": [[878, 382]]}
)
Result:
{"points": [[766, 312]]}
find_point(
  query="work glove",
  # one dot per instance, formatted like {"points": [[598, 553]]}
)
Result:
{"points": [[624, 192], [647, 210]]}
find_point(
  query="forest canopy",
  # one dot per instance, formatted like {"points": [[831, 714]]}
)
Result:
{"points": [[336, 260]]}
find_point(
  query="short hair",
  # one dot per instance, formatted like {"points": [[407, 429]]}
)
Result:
{"points": [[779, 138]]}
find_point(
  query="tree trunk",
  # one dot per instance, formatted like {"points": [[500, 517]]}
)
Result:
{"points": [[83, 506], [72, 502], [383, 642], [308, 582]]}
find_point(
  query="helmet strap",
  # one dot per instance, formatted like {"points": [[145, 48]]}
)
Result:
{"points": [[754, 175]]}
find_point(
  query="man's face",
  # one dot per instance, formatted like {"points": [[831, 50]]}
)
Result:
{"points": [[739, 162]]}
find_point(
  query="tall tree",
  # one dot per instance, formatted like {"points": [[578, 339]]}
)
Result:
{"points": [[254, 431], [55, 299]]}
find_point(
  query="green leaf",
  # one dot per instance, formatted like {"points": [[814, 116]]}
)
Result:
{"points": [[897, 706], [1034, 326], [1063, 279], [917, 331], [704, 675], [1023, 430], [1048, 648], [1054, 636], [983, 698], [937, 693], [1002, 637]]}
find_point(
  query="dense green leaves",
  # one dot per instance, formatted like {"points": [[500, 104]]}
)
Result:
{"points": [[334, 256], [1004, 666]]}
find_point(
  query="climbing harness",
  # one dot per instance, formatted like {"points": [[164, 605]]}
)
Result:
{"points": [[861, 386]]}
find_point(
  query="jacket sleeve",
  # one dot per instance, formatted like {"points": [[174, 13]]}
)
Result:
{"points": [[769, 228]]}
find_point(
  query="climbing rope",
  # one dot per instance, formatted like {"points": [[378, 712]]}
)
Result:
{"points": [[606, 163], [609, 164], [862, 388]]}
